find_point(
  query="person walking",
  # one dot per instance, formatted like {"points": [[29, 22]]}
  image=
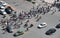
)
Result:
{"points": [[30, 26], [27, 29], [36, 16], [4, 16], [25, 25]]}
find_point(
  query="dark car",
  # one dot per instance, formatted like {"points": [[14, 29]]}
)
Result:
{"points": [[8, 10], [18, 33], [50, 31], [58, 26], [9, 29]]}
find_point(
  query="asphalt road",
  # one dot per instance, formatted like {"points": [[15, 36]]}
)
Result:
{"points": [[34, 32]]}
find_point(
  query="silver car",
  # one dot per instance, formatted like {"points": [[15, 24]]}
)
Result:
{"points": [[42, 25], [2, 12]]}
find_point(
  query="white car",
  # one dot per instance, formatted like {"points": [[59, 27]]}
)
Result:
{"points": [[2, 12], [42, 25], [2, 7], [3, 3]]}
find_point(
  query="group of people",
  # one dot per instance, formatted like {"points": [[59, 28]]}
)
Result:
{"points": [[17, 20]]}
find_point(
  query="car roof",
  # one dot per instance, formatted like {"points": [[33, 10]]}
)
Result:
{"points": [[58, 24], [52, 29]]}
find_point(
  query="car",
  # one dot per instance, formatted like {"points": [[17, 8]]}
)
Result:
{"points": [[2, 12], [8, 10], [58, 25], [42, 25], [18, 33], [50, 31], [3, 3], [2, 7], [9, 29]]}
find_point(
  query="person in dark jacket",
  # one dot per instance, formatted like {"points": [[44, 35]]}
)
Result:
{"points": [[30, 26], [25, 25]]}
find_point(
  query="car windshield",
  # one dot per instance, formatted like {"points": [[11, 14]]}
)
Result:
{"points": [[18, 32], [42, 24], [49, 31]]}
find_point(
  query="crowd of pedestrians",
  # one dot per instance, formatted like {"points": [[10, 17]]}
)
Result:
{"points": [[17, 20]]}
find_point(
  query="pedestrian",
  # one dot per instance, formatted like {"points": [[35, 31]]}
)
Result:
{"points": [[25, 25], [14, 15], [5, 23], [17, 26], [4, 29], [44, 13], [40, 17], [4, 16], [21, 23], [27, 29], [30, 26], [28, 16], [52, 12], [36, 16], [27, 21]]}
